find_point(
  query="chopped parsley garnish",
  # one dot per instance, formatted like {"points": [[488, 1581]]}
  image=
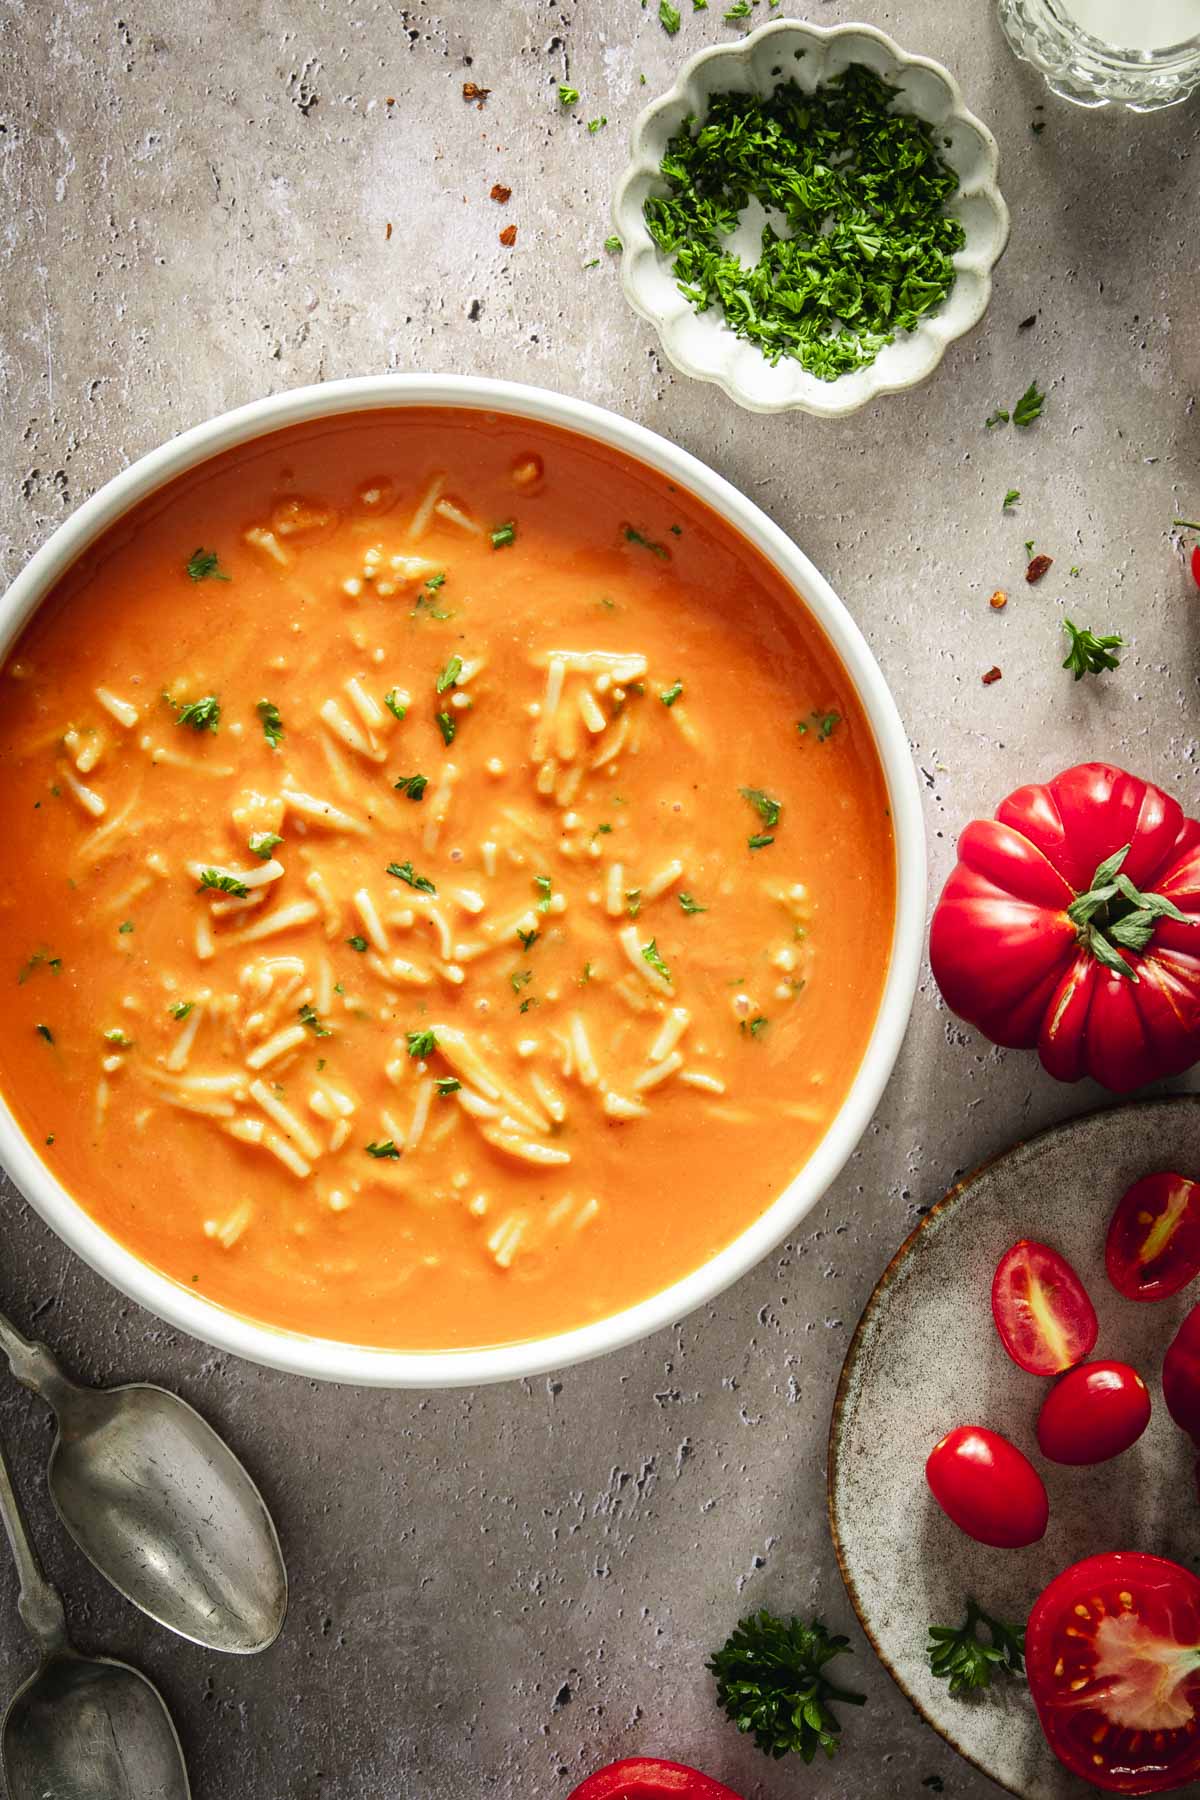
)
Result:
{"points": [[632, 536], [449, 674], [864, 247], [1029, 406], [125, 927], [567, 96], [116, 1037], [420, 1044], [587, 974], [760, 841], [1011, 498], [668, 17], [670, 695], [45, 1031], [962, 1658], [542, 884], [1088, 654], [633, 901], [262, 843], [595, 125], [202, 715], [771, 1681], [404, 872], [824, 723], [39, 960], [224, 884], [357, 943], [383, 1151], [394, 704], [204, 565], [999, 417], [181, 1009], [650, 954], [520, 978], [412, 785], [754, 1027], [526, 1004], [612, 243], [739, 10], [528, 938], [504, 535], [272, 724], [445, 1085], [310, 1018], [601, 831], [767, 809], [447, 727], [690, 904]]}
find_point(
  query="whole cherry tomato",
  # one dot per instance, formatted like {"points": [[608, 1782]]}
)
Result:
{"points": [[1181, 1376], [1196, 564], [649, 1778], [985, 1485], [1070, 922], [1093, 1413], [1112, 1652], [1153, 1244], [1041, 1308]]}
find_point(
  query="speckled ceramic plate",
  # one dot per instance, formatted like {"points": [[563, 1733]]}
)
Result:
{"points": [[926, 1357]]}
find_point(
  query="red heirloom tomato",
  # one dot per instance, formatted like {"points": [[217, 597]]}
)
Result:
{"points": [[1181, 1376], [1153, 1245], [1041, 1308], [649, 1778], [1069, 924], [1093, 1413], [1113, 1657], [988, 1488]]}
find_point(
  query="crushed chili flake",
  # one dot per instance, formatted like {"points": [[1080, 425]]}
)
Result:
{"points": [[508, 236], [998, 600], [1038, 568], [473, 91], [501, 194], [387, 231], [993, 674]]}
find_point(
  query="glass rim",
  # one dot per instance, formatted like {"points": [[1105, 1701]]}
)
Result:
{"points": [[1123, 56]]}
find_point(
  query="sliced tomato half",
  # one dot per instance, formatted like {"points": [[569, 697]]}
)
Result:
{"points": [[650, 1778], [1153, 1244], [1181, 1377], [1113, 1657], [1041, 1308]]}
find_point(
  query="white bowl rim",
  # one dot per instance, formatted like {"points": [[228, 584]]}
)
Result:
{"points": [[329, 1359]]}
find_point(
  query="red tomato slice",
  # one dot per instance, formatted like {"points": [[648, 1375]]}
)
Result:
{"points": [[1181, 1377], [1113, 1657], [649, 1778], [1041, 1308], [1153, 1245], [988, 1488], [1094, 1412]]}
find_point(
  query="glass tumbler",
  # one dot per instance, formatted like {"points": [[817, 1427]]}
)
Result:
{"points": [[1142, 54]]}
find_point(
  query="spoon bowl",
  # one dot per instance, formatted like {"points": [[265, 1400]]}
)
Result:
{"points": [[86, 1728]]}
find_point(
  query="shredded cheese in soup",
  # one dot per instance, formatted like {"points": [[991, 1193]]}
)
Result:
{"points": [[450, 884]]}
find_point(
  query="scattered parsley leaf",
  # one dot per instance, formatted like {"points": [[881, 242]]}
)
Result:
{"points": [[204, 565], [670, 695], [1029, 406], [650, 954], [45, 1031], [760, 841], [309, 1018], [224, 884], [595, 125], [668, 17], [754, 1027], [445, 1085], [601, 831], [1011, 498], [181, 1009], [262, 843], [771, 1681], [612, 243], [768, 810], [39, 960], [272, 724], [450, 674], [999, 417], [358, 943], [587, 974], [633, 901], [447, 726], [504, 535], [420, 1044], [567, 96], [116, 1037], [202, 715], [633, 536], [963, 1659], [386, 1149], [526, 1004], [739, 10], [404, 872], [691, 905], [1088, 654], [528, 938], [520, 978], [394, 704], [411, 785], [125, 927], [542, 884]]}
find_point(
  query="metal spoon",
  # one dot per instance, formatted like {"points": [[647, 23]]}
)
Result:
{"points": [[81, 1728], [161, 1505]]}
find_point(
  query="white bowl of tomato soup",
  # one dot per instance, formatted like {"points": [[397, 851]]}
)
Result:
{"points": [[466, 881]]}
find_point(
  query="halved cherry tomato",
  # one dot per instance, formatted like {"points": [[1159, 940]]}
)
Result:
{"points": [[1094, 1412], [1196, 564], [1113, 1657], [988, 1488], [649, 1778], [1041, 1308], [1153, 1244], [1181, 1376]]}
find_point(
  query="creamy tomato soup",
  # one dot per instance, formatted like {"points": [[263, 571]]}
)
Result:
{"points": [[450, 881]]}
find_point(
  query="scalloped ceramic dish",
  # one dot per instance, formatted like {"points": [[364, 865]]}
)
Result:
{"points": [[701, 344]]}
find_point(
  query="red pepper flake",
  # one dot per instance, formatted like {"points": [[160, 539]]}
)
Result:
{"points": [[999, 600], [387, 231], [993, 674], [1038, 568], [501, 194], [472, 91], [508, 236]]}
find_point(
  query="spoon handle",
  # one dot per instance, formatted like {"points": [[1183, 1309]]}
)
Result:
{"points": [[32, 1364], [40, 1608]]}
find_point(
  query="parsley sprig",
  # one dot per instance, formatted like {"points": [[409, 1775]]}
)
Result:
{"points": [[962, 1657], [1088, 654], [771, 1681]]}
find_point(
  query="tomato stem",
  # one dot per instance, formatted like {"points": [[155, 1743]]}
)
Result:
{"points": [[1115, 916]]}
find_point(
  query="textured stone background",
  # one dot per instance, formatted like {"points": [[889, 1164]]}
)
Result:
{"points": [[495, 1591]]}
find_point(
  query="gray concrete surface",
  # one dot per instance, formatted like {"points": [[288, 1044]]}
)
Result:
{"points": [[495, 1591]]}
